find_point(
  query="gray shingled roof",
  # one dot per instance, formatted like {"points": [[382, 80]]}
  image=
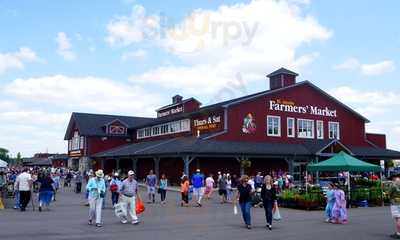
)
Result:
{"points": [[193, 145], [199, 146], [282, 71], [92, 124]]}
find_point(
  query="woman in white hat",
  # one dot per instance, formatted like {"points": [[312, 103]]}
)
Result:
{"points": [[96, 188]]}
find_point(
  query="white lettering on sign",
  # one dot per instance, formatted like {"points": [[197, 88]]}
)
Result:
{"points": [[171, 111], [209, 120], [288, 106]]}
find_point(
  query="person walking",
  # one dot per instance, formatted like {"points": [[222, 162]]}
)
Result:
{"points": [[56, 184], [394, 196], [222, 188], [24, 186], [198, 184], [115, 187], [151, 182], [330, 201], [268, 195], [163, 188], [96, 188], [209, 186], [78, 182], [45, 190], [339, 210], [185, 191], [244, 197], [128, 195], [229, 190]]}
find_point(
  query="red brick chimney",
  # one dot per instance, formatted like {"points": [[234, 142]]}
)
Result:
{"points": [[281, 78]]}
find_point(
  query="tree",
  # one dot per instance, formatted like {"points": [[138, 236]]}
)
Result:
{"points": [[18, 160], [4, 154]]}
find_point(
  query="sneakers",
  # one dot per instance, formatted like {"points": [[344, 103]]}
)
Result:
{"points": [[135, 222], [98, 225], [248, 226], [40, 208], [124, 221], [395, 236], [90, 222], [269, 227]]}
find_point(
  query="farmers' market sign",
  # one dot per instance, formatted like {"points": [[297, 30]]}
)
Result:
{"points": [[290, 106]]}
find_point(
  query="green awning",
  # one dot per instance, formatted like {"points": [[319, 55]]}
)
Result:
{"points": [[343, 162]]}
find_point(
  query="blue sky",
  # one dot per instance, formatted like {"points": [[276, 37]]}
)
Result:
{"points": [[129, 57]]}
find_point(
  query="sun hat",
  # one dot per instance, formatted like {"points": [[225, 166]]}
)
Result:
{"points": [[99, 173], [130, 173], [198, 170]]}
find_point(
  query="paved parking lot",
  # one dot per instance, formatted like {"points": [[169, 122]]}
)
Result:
{"points": [[67, 219]]}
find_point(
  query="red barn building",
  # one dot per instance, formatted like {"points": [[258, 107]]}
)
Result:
{"points": [[283, 128]]}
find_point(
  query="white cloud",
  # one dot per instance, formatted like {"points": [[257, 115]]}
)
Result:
{"points": [[17, 59], [377, 107], [348, 64], [64, 47], [37, 114], [125, 30], [138, 54], [378, 68], [374, 69], [85, 94], [215, 45]]}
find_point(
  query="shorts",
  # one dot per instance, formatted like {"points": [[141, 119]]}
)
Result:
{"points": [[222, 192], [151, 190], [395, 209], [208, 190], [198, 191]]}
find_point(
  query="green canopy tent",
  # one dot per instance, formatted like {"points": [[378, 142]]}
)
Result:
{"points": [[346, 163]]}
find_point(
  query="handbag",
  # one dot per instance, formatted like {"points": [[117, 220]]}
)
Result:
{"points": [[102, 194], [139, 206], [159, 190]]}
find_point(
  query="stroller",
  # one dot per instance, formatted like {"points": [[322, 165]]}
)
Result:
{"points": [[10, 190]]}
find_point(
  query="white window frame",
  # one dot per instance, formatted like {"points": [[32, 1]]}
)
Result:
{"points": [[312, 129], [164, 129], [320, 130], [293, 127], [279, 126], [338, 130]]}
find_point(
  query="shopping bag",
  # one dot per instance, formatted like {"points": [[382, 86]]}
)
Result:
{"points": [[1, 204], [235, 210], [139, 206], [120, 210], [276, 214]]}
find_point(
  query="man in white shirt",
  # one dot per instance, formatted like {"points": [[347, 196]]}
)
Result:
{"points": [[24, 186], [209, 186]]}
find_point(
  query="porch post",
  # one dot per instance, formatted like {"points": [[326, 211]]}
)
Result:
{"points": [[102, 163], [240, 159], [317, 160], [186, 163], [117, 164], [289, 161], [157, 166], [134, 165]]}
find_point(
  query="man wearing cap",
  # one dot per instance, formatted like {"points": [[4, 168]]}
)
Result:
{"points": [[198, 184], [394, 195], [128, 193], [24, 186], [96, 188]]}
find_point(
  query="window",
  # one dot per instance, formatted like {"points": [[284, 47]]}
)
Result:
{"points": [[320, 129], [305, 128], [75, 141], [117, 130], [140, 133], [156, 131], [334, 130], [290, 127], [69, 145], [164, 129], [274, 126], [82, 142]]}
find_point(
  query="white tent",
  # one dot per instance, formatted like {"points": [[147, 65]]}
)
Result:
{"points": [[3, 164]]}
